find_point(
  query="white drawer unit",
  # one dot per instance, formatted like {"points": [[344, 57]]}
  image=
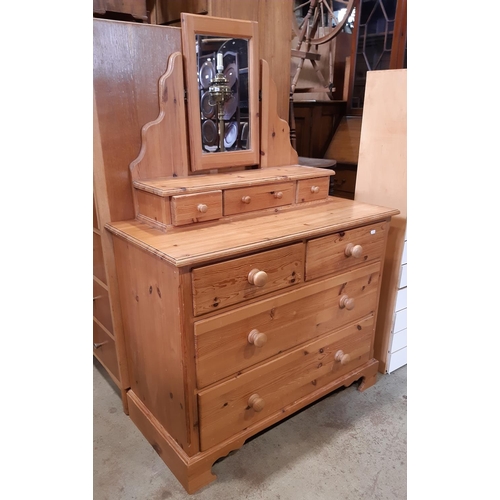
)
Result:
{"points": [[397, 355]]}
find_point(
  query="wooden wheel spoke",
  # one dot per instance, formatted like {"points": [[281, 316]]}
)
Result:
{"points": [[301, 5], [328, 8]]}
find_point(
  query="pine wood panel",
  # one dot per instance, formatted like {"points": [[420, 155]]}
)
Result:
{"points": [[324, 255], [98, 258], [221, 285], [181, 246], [185, 208], [164, 141], [103, 212], [224, 408], [288, 320], [275, 147], [258, 197], [129, 58], [382, 175], [155, 342]]}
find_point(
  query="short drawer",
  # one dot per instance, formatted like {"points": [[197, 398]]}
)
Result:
{"points": [[105, 350], [102, 307], [234, 341], [340, 251], [221, 285], [237, 404], [248, 199], [313, 189], [199, 207]]}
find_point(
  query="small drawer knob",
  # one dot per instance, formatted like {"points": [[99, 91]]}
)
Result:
{"points": [[314, 189], [100, 344], [246, 199], [342, 357], [346, 302], [256, 402], [258, 339], [278, 195], [257, 277], [202, 208], [355, 251]]}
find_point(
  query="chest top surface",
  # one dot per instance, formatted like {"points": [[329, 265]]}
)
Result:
{"points": [[197, 244]]}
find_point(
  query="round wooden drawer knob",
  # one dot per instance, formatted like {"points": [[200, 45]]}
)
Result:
{"points": [[202, 208], [314, 189], [278, 195], [257, 338], [355, 251], [246, 199], [342, 357], [346, 302], [256, 402], [257, 277]]}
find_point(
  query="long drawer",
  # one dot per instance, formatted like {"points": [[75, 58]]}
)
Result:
{"points": [[346, 249], [230, 407], [228, 343], [221, 285]]}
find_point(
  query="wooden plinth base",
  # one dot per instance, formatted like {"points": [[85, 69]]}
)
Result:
{"points": [[196, 471]]}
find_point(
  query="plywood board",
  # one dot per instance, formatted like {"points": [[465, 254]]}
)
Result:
{"points": [[381, 180]]}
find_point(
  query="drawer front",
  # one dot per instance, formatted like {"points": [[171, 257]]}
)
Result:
{"points": [[313, 189], [189, 208], [98, 261], [230, 407], [229, 343], [220, 285], [248, 199], [102, 308], [105, 350], [346, 249]]}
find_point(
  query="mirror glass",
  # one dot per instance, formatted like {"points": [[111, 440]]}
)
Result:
{"points": [[223, 76]]}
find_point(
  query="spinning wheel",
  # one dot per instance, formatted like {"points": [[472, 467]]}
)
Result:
{"points": [[316, 22]]}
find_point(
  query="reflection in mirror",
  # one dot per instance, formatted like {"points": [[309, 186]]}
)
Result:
{"points": [[222, 65]]}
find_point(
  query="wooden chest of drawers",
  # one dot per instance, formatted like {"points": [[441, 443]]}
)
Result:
{"points": [[230, 327], [246, 292]]}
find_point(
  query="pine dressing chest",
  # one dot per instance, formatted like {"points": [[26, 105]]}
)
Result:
{"points": [[246, 291]]}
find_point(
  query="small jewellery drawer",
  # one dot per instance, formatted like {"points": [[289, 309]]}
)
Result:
{"points": [[230, 407], [346, 249], [313, 189], [248, 199], [233, 341], [102, 307], [104, 349], [189, 208], [221, 285]]}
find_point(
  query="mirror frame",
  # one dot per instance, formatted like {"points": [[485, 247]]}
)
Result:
{"points": [[192, 25]]}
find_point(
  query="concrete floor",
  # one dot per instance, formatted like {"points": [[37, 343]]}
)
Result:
{"points": [[349, 445]]}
